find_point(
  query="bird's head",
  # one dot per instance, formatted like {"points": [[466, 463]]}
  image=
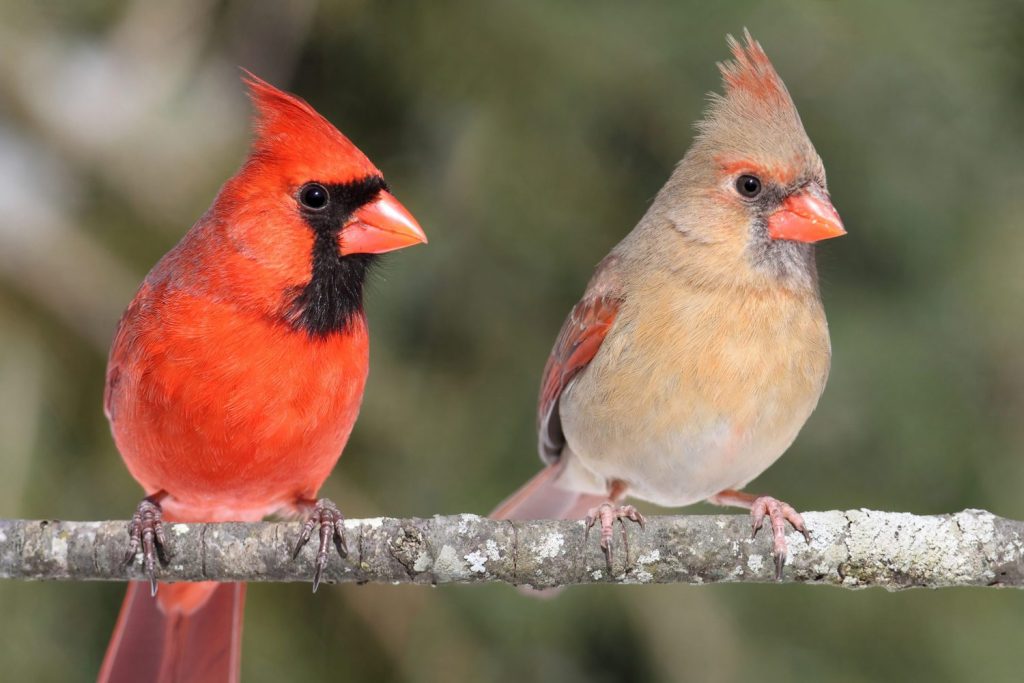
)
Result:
{"points": [[308, 211], [752, 184], [309, 174]]}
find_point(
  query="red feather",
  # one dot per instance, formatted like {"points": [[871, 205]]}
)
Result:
{"points": [[577, 344], [173, 638], [750, 70], [219, 402]]}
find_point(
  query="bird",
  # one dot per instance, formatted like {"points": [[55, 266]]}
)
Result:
{"points": [[237, 371], [700, 346]]}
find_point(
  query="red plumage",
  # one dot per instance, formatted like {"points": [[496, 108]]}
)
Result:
{"points": [[237, 372]]}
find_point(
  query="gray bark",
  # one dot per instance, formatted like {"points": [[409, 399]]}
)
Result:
{"points": [[852, 549]]}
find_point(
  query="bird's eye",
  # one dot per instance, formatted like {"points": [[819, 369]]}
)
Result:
{"points": [[314, 196], [749, 186]]}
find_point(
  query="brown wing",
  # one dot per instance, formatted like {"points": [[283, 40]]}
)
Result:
{"points": [[581, 336]]}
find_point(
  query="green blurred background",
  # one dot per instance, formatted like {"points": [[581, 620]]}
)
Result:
{"points": [[528, 137]]}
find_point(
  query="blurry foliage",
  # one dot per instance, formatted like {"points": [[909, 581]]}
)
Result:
{"points": [[528, 137]]}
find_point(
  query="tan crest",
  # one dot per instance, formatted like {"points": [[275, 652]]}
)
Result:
{"points": [[754, 124], [751, 72]]}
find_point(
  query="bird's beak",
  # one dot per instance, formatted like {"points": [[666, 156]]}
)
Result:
{"points": [[380, 226], [806, 216]]}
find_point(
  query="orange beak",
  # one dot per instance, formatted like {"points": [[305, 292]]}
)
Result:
{"points": [[806, 216], [380, 226]]}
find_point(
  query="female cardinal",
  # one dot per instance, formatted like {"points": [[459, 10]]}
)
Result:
{"points": [[237, 371], [700, 346]]}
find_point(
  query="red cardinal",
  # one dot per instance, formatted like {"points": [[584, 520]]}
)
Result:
{"points": [[700, 347], [237, 371]]}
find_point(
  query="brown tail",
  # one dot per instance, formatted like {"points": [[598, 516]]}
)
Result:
{"points": [[540, 498], [189, 632]]}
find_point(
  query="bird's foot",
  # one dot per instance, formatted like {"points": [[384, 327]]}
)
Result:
{"points": [[146, 530], [607, 513], [778, 514], [332, 526]]}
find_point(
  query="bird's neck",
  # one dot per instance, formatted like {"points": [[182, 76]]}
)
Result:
{"points": [[333, 298], [784, 263], [658, 248]]}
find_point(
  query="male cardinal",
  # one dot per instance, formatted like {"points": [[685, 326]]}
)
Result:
{"points": [[700, 346], [236, 373]]}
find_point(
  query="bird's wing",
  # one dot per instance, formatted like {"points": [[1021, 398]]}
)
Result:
{"points": [[577, 344], [119, 349]]}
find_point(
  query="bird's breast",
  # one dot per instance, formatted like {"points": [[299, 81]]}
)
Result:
{"points": [[228, 411], [693, 392]]}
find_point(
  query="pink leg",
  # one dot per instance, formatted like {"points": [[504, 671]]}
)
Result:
{"points": [[778, 514], [607, 513]]}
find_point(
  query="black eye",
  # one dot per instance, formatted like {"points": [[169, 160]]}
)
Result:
{"points": [[748, 186], [314, 196]]}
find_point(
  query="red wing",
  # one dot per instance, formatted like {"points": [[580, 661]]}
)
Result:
{"points": [[119, 349], [577, 344]]}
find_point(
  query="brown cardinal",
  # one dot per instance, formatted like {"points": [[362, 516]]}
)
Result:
{"points": [[700, 346], [237, 371]]}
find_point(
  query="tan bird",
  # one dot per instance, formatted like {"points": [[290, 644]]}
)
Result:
{"points": [[700, 346]]}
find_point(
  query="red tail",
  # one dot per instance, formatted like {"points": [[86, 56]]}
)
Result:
{"points": [[541, 498], [190, 632]]}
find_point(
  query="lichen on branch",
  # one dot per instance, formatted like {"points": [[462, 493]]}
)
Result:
{"points": [[852, 549]]}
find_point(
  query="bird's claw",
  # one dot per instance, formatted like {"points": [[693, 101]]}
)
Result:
{"points": [[607, 513], [146, 529], [332, 524], [778, 514]]}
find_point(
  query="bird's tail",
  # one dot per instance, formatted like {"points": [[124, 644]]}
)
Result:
{"points": [[188, 632], [542, 498]]}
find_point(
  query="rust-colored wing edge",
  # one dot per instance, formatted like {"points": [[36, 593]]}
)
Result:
{"points": [[578, 342]]}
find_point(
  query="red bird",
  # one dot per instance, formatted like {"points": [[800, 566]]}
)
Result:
{"points": [[237, 372], [700, 346]]}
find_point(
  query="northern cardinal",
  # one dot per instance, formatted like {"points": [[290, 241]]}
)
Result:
{"points": [[237, 372], [700, 346]]}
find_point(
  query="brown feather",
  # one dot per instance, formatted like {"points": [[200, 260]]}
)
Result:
{"points": [[700, 347], [579, 339]]}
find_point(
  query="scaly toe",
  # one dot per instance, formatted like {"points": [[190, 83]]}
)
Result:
{"points": [[778, 514], [328, 517], [607, 514]]}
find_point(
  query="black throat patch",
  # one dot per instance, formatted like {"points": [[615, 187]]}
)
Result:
{"points": [[334, 295]]}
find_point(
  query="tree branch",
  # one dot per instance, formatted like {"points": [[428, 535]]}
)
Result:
{"points": [[853, 549]]}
